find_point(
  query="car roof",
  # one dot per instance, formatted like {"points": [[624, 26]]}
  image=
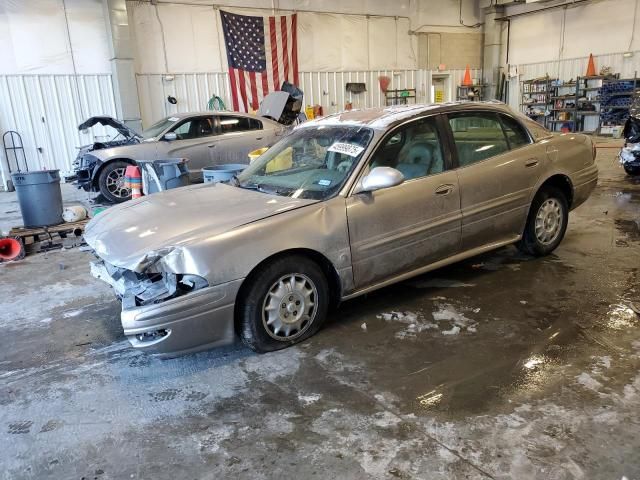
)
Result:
{"points": [[381, 118], [222, 113], [182, 115]]}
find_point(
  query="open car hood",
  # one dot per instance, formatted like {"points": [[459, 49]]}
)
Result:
{"points": [[109, 122], [283, 106], [133, 234]]}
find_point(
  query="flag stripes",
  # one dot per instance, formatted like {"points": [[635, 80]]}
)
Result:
{"points": [[261, 53]]}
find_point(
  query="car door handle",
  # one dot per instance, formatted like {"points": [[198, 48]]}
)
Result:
{"points": [[444, 189], [259, 138], [211, 146], [532, 162]]}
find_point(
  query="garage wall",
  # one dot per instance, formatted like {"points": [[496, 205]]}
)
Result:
{"points": [[47, 109], [600, 27], [39, 36], [339, 44], [558, 42], [54, 72], [179, 38], [193, 90]]}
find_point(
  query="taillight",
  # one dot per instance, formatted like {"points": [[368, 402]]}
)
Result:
{"points": [[595, 150]]}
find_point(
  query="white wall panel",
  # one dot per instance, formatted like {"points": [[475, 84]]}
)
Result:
{"points": [[46, 111], [193, 90], [35, 39], [190, 36], [598, 27]]}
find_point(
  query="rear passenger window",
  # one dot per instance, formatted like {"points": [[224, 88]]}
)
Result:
{"points": [[477, 136], [516, 134], [229, 124]]}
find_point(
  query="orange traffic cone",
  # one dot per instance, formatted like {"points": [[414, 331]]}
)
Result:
{"points": [[466, 81], [591, 68], [11, 248], [133, 180]]}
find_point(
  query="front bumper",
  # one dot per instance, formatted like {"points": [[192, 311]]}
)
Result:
{"points": [[192, 322], [83, 178]]}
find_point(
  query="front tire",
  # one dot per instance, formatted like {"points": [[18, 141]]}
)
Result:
{"points": [[631, 170], [546, 224], [111, 182], [283, 303]]}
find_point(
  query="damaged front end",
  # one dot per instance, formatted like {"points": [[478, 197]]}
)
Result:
{"points": [[138, 289], [167, 313]]}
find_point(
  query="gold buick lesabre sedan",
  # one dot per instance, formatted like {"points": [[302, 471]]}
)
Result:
{"points": [[341, 206]]}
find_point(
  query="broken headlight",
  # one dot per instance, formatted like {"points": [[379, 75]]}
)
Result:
{"points": [[146, 288], [158, 287]]}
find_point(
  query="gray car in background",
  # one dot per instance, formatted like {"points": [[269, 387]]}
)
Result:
{"points": [[204, 138]]}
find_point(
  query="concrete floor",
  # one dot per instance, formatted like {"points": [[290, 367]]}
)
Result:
{"points": [[502, 366]]}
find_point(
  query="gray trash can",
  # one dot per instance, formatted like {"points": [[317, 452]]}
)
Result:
{"points": [[39, 196], [160, 175], [222, 173]]}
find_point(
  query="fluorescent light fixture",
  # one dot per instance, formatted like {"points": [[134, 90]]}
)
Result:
{"points": [[231, 121]]}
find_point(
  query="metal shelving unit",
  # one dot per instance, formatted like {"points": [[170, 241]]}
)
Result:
{"points": [[563, 106], [535, 98], [463, 92], [402, 96], [588, 95], [616, 99]]}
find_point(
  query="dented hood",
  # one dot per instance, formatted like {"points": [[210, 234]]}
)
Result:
{"points": [[137, 234]]}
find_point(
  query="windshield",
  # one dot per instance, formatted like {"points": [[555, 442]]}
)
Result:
{"points": [[159, 127], [312, 162]]}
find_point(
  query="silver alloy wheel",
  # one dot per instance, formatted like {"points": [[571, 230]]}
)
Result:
{"points": [[289, 307], [116, 185], [549, 221]]}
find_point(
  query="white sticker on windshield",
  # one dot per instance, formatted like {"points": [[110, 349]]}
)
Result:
{"points": [[324, 183], [173, 119], [346, 148]]}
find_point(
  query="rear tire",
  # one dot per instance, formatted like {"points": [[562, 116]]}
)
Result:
{"points": [[546, 224], [283, 303], [111, 182]]}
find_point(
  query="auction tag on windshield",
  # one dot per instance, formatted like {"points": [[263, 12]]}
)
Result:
{"points": [[346, 148]]}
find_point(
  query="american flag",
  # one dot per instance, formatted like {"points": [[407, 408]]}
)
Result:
{"points": [[262, 53]]}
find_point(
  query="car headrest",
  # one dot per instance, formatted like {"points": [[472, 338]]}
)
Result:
{"points": [[420, 153]]}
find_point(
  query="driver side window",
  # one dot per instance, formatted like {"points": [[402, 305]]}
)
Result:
{"points": [[414, 149], [195, 128]]}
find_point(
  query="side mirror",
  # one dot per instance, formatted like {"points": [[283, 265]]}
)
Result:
{"points": [[170, 136], [379, 178]]}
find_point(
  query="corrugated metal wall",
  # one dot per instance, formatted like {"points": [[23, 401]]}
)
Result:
{"points": [[570, 69], [47, 109], [193, 90]]}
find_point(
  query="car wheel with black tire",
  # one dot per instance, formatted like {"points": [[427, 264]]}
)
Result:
{"points": [[111, 182], [547, 222], [284, 302], [632, 170]]}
